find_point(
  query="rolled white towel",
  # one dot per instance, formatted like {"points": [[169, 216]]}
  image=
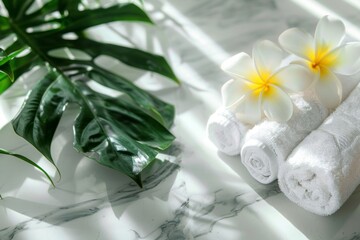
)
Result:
{"points": [[226, 132], [269, 143], [324, 169]]}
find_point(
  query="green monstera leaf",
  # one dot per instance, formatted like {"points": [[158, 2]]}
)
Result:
{"points": [[124, 133], [6, 78]]}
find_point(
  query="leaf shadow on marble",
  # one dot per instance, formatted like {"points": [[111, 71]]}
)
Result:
{"points": [[58, 216], [158, 179], [85, 187], [111, 194], [309, 224], [216, 206], [13, 172]]}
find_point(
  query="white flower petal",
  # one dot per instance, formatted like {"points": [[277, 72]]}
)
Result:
{"points": [[348, 61], [240, 65], [293, 77], [277, 105], [329, 89], [267, 57], [248, 110], [329, 32], [297, 42], [232, 91]]}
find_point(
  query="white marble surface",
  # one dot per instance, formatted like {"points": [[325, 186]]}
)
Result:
{"points": [[197, 193]]}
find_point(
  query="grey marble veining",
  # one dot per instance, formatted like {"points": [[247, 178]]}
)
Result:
{"points": [[204, 211], [130, 192]]}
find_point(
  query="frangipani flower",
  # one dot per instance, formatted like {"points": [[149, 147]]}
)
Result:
{"points": [[259, 85], [324, 55]]}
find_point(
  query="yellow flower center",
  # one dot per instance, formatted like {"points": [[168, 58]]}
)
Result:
{"points": [[315, 65], [322, 58], [261, 82]]}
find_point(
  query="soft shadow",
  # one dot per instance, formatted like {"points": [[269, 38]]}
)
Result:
{"points": [[116, 191], [304, 221], [265, 191], [158, 179], [14, 172]]}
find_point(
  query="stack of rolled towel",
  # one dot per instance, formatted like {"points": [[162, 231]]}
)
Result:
{"points": [[314, 156], [267, 144]]}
